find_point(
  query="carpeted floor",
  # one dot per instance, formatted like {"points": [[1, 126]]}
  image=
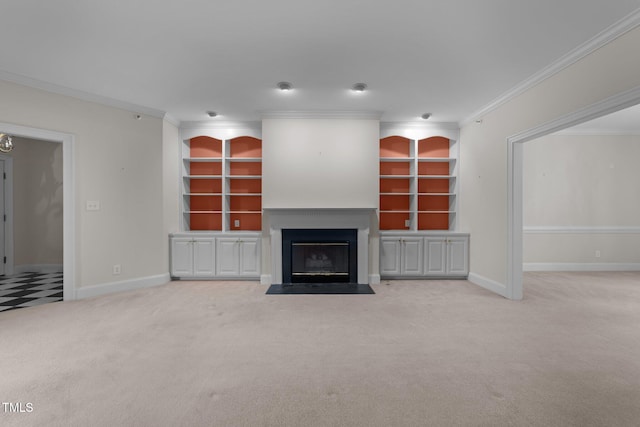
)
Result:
{"points": [[417, 353]]}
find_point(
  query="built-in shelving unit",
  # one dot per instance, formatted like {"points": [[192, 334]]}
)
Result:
{"points": [[418, 188], [222, 184]]}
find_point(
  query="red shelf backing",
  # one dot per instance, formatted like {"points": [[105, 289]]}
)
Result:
{"points": [[245, 146], [436, 146], [395, 146], [205, 146]]}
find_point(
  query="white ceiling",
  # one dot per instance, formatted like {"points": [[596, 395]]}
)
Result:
{"points": [[450, 58]]}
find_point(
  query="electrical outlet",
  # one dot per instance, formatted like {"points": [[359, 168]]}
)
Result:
{"points": [[93, 205], [597, 254], [236, 223], [407, 223], [116, 269]]}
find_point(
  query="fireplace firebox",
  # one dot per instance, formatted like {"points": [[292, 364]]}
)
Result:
{"points": [[319, 255]]}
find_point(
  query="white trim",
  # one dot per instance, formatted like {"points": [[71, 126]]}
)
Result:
{"points": [[374, 279], [38, 268], [79, 94], [121, 286], [265, 279], [68, 188], [220, 130], [170, 119], [322, 114], [414, 130], [611, 33], [319, 218], [515, 147], [597, 132], [491, 285], [563, 229], [577, 266]]}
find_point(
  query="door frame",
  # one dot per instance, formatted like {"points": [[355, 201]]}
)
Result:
{"points": [[8, 209], [515, 148], [68, 187]]}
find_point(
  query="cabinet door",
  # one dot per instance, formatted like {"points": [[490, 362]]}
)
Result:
{"points": [[228, 256], [412, 258], [250, 257], [204, 257], [435, 256], [390, 256], [458, 256], [181, 257]]}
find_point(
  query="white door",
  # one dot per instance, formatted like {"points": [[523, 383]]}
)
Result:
{"points": [[181, 257], [458, 256], [228, 256], [436, 256], [390, 256], [412, 258], [249, 257], [204, 257]]}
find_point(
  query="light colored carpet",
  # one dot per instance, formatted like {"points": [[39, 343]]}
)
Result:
{"points": [[418, 353]]}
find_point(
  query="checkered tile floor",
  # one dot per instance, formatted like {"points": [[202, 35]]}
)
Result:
{"points": [[29, 289]]}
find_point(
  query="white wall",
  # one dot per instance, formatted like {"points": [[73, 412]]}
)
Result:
{"points": [[37, 203], [575, 188], [118, 161], [610, 70], [320, 163]]}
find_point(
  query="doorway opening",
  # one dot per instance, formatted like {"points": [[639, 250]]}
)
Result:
{"points": [[65, 203], [515, 145]]}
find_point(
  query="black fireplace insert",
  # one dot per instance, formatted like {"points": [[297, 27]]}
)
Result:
{"points": [[319, 256]]}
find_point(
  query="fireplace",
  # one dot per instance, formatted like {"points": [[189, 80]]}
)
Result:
{"points": [[319, 255]]}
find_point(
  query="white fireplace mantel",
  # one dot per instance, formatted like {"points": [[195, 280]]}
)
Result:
{"points": [[317, 218]]}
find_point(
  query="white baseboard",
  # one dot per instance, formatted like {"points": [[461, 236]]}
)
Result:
{"points": [[577, 266], [374, 279], [37, 268], [488, 284], [265, 279], [125, 285]]}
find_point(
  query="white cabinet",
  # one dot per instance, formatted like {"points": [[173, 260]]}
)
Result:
{"points": [[458, 256], [238, 257], [215, 256], [401, 256], [192, 257], [436, 256], [418, 255]]}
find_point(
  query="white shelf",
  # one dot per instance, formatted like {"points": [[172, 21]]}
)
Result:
{"points": [[220, 169], [244, 159], [396, 159], [244, 176], [203, 159], [436, 159], [422, 175]]}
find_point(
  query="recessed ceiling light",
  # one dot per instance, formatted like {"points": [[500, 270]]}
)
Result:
{"points": [[426, 116], [359, 87], [212, 113], [285, 86]]}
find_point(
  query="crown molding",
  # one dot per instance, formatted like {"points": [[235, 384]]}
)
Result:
{"points": [[79, 94], [606, 36], [597, 132], [322, 114], [169, 118], [220, 125], [421, 125]]}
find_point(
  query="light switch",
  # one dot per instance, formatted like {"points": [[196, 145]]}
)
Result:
{"points": [[93, 205], [236, 223]]}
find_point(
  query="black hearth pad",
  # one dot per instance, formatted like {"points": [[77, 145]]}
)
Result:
{"points": [[319, 288]]}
